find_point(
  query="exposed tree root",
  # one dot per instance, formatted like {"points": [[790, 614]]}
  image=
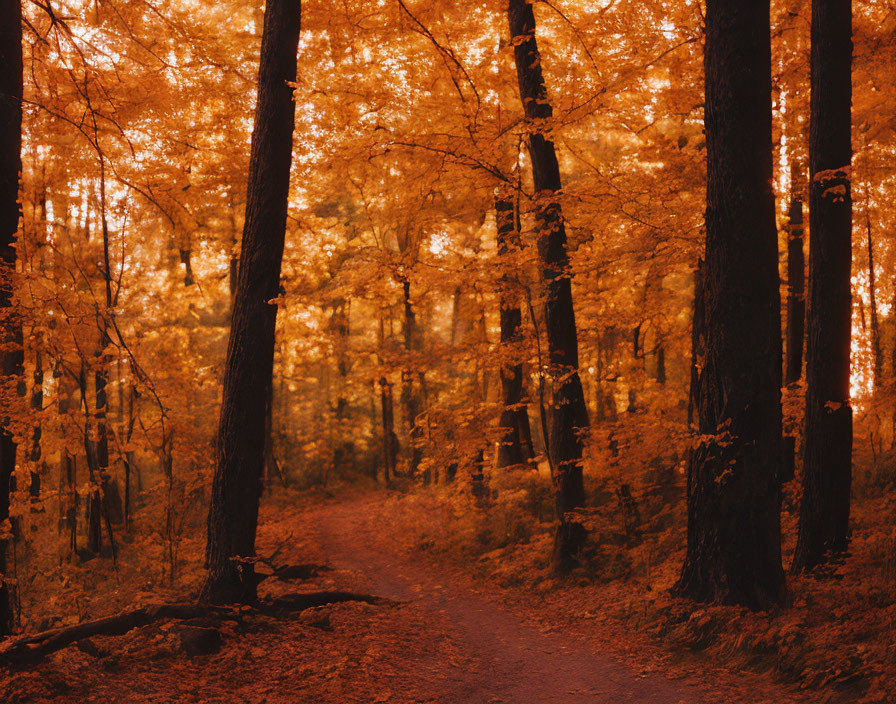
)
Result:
{"points": [[298, 602], [286, 572], [32, 648]]}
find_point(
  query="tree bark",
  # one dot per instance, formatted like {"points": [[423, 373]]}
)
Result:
{"points": [[37, 405], [796, 320], [796, 292], [876, 346], [410, 395], [827, 464], [390, 444], [733, 493], [569, 414], [68, 469], [515, 443], [237, 483], [10, 167]]}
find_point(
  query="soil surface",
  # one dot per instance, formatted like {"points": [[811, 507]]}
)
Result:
{"points": [[445, 637], [507, 658]]}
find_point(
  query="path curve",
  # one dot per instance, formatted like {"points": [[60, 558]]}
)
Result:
{"points": [[509, 659]]}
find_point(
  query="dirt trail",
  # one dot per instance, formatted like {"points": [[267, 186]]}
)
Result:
{"points": [[506, 657], [448, 639]]}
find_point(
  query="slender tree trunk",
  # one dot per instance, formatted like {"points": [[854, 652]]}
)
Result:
{"points": [[660, 353], [410, 395], [68, 504], [237, 483], [10, 166], [105, 502], [37, 405], [515, 446], [733, 494], [186, 258], [876, 346], [827, 464], [389, 441], [343, 455], [796, 292], [569, 414], [796, 319], [37, 378], [94, 515], [130, 464]]}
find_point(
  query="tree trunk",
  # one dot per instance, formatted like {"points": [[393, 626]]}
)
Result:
{"points": [[94, 513], [876, 346], [733, 493], [827, 464], [390, 445], [68, 494], [410, 395], [344, 453], [10, 166], [37, 405], [796, 292], [796, 320], [515, 444], [569, 415], [237, 483]]}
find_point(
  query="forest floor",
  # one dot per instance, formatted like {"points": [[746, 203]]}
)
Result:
{"points": [[446, 634]]}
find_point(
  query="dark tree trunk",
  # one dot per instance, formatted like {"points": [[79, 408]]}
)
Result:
{"points": [[129, 455], [876, 346], [733, 493], [604, 398], [390, 443], [827, 463], [796, 292], [660, 364], [37, 405], [237, 483], [410, 394], [796, 320], [569, 415], [94, 515], [343, 455], [68, 504], [515, 443], [10, 166], [187, 260]]}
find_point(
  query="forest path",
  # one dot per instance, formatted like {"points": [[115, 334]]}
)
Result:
{"points": [[446, 638], [501, 656]]}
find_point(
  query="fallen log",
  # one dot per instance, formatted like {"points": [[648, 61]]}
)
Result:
{"points": [[32, 648]]}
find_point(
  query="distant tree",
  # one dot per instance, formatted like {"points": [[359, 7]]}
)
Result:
{"points": [[516, 436], [796, 314], [796, 291], [827, 465], [569, 414], [237, 484], [10, 168], [733, 495]]}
